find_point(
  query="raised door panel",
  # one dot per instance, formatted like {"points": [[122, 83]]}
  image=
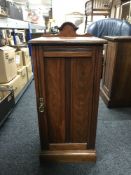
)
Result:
{"points": [[68, 89], [55, 98], [108, 69], [82, 72]]}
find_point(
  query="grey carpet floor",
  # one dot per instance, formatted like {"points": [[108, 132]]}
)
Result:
{"points": [[19, 143]]}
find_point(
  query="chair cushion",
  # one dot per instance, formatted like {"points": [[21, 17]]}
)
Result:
{"points": [[110, 27]]}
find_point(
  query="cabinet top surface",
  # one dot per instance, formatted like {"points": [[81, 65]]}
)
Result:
{"points": [[68, 40], [118, 38]]}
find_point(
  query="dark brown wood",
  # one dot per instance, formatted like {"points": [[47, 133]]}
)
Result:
{"points": [[81, 97], [68, 146], [116, 81], [67, 100], [68, 29], [67, 54], [67, 78], [55, 88], [68, 156], [97, 76]]}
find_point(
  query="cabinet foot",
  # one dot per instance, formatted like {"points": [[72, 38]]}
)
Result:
{"points": [[68, 156]]}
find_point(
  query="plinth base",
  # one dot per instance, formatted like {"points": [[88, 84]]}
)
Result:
{"points": [[68, 156]]}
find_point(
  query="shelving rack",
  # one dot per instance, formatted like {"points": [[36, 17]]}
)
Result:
{"points": [[8, 23]]}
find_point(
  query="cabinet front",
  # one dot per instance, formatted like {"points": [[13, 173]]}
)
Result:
{"points": [[67, 82], [67, 91]]}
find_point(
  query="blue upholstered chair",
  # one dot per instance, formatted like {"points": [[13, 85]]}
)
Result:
{"points": [[109, 27]]}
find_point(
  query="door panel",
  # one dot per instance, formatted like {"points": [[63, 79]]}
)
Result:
{"points": [[81, 98], [69, 92], [55, 98]]}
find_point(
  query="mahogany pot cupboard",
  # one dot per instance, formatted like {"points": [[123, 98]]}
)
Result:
{"points": [[116, 79], [67, 70]]}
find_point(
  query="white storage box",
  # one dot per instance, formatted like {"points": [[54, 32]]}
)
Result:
{"points": [[25, 56], [23, 76], [29, 71], [15, 84], [8, 69], [19, 59]]}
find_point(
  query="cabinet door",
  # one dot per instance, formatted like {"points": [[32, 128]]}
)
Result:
{"points": [[54, 73], [68, 86], [108, 69], [49, 75], [82, 76], [85, 82]]}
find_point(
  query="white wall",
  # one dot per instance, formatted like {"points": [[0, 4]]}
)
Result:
{"points": [[63, 7], [36, 2]]}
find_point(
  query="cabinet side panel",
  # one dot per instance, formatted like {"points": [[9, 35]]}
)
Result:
{"points": [[121, 93], [95, 98], [38, 65], [108, 67], [55, 98], [81, 98]]}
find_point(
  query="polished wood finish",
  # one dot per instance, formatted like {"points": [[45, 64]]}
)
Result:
{"points": [[67, 74], [68, 146], [116, 81], [73, 156]]}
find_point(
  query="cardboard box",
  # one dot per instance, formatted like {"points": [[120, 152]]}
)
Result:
{"points": [[8, 69], [23, 76], [29, 71], [26, 56], [19, 59], [15, 84]]}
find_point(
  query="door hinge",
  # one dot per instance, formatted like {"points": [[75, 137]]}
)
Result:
{"points": [[41, 105]]}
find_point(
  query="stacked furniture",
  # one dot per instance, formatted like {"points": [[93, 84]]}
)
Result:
{"points": [[116, 81], [121, 9], [97, 8]]}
